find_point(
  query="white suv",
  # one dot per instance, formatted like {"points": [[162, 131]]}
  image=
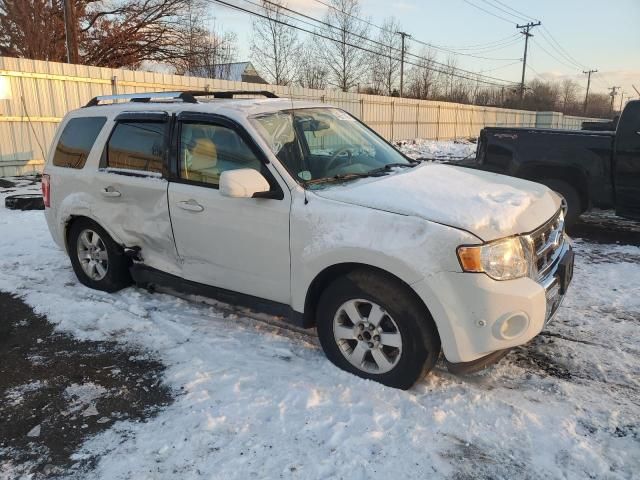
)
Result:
{"points": [[300, 210]]}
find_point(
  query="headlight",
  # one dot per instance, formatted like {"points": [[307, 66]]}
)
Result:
{"points": [[504, 259]]}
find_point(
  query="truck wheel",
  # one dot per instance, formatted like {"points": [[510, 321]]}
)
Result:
{"points": [[371, 326], [97, 261], [571, 202]]}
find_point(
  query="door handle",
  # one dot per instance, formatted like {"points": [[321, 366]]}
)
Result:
{"points": [[110, 192], [191, 205]]}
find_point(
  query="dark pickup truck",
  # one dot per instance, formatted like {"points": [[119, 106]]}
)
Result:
{"points": [[587, 168]]}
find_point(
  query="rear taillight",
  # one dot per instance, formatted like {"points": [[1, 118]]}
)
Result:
{"points": [[46, 190]]}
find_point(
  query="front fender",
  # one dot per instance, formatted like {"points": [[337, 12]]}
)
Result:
{"points": [[325, 233]]}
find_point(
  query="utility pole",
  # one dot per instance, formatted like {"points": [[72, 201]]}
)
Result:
{"points": [[621, 100], [71, 31], [613, 94], [403, 36], [524, 29], [586, 97]]}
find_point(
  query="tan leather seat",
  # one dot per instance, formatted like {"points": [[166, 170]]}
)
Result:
{"points": [[200, 166]]}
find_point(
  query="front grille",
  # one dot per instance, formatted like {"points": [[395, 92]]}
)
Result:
{"points": [[547, 243]]}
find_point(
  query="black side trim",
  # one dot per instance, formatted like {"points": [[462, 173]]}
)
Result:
{"points": [[190, 97], [464, 368], [143, 116], [146, 277]]}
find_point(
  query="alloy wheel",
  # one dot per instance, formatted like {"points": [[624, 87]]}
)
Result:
{"points": [[367, 336], [93, 255]]}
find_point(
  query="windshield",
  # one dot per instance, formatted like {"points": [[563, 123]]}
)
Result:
{"points": [[319, 145]]}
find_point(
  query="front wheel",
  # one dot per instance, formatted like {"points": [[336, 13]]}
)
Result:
{"points": [[97, 261], [371, 326]]}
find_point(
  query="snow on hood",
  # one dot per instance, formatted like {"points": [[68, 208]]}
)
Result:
{"points": [[486, 204]]}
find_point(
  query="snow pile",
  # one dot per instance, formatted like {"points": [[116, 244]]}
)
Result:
{"points": [[483, 203], [442, 150], [252, 403]]}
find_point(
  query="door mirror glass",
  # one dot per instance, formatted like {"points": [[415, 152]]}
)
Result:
{"points": [[242, 183]]}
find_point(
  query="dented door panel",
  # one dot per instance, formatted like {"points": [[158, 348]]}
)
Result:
{"points": [[137, 211]]}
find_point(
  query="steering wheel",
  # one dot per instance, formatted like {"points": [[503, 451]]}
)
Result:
{"points": [[334, 158]]}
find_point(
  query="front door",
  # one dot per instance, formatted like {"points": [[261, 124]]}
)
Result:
{"points": [[239, 244], [627, 162]]}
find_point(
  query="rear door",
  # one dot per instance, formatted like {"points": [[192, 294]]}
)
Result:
{"points": [[237, 244], [131, 186], [627, 162]]}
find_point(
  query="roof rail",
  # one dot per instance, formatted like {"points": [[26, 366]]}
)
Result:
{"points": [[186, 96]]}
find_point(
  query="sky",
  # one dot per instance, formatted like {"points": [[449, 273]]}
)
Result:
{"points": [[596, 34]]}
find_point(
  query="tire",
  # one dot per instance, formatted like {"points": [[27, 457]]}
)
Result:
{"points": [[405, 342], [570, 196], [24, 202], [89, 244]]}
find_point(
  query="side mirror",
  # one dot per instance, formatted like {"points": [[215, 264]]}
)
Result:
{"points": [[242, 183]]}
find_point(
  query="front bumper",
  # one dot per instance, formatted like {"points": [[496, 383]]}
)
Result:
{"points": [[477, 316]]}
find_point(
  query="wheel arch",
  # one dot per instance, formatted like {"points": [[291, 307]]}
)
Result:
{"points": [[572, 176], [324, 278], [74, 217]]}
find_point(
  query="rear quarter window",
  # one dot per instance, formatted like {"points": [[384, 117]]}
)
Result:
{"points": [[76, 141]]}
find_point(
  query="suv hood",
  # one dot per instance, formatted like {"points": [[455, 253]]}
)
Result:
{"points": [[489, 205]]}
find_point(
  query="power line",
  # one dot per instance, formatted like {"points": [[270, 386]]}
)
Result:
{"points": [[488, 12], [475, 76], [497, 7], [482, 46], [502, 66], [566, 54], [571, 67], [522, 15], [432, 45], [375, 42]]}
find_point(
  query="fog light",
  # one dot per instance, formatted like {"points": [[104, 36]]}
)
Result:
{"points": [[511, 326]]}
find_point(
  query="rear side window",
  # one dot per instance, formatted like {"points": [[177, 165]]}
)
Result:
{"points": [[75, 143], [137, 146]]}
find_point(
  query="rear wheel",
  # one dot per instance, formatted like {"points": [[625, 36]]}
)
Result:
{"points": [[571, 201], [97, 261], [371, 326]]}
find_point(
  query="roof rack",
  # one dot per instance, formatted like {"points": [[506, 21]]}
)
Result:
{"points": [[186, 96]]}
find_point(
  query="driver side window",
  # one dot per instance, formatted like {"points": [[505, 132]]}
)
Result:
{"points": [[207, 150]]}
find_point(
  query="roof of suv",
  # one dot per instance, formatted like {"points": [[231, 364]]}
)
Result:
{"points": [[232, 107]]}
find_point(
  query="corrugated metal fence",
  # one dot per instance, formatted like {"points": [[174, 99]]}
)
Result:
{"points": [[35, 95]]}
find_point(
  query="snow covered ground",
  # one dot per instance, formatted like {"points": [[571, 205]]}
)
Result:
{"points": [[449, 150], [254, 400]]}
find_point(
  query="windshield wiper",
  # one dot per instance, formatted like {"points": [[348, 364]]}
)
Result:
{"points": [[376, 172], [389, 166], [342, 176]]}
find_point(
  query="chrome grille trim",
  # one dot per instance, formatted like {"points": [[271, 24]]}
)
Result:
{"points": [[548, 242]]}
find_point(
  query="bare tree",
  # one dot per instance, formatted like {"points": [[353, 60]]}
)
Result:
{"points": [[204, 52], [568, 94], [339, 51], [449, 77], [274, 45], [311, 72], [422, 78], [541, 95], [115, 33], [385, 62]]}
